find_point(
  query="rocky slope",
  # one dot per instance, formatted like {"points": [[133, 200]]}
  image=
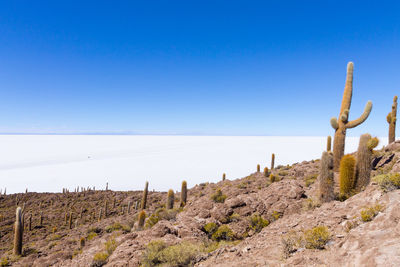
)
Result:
{"points": [[287, 208]]}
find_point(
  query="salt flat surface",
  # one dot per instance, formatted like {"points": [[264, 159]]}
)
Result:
{"points": [[47, 163]]}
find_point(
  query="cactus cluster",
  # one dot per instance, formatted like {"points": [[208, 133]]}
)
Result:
{"points": [[342, 124]]}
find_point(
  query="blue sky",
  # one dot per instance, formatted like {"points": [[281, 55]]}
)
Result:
{"points": [[195, 67]]}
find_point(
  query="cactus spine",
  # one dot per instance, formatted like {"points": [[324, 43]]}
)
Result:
{"points": [[144, 198], [363, 163], [347, 174], [183, 194], [272, 161], [391, 119], [142, 217], [326, 180], [170, 199], [329, 144], [18, 232], [342, 124]]}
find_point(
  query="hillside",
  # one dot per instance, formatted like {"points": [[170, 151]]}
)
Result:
{"points": [[252, 222]]}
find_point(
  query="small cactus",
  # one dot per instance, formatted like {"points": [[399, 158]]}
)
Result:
{"points": [[266, 171], [391, 119], [272, 161], [223, 177], [82, 242], [41, 219], [100, 213], [170, 199], [364, 158], [144, 198], [18, 232], [105, 209], [347, 174], [258, 168], [30, 222], [70, 220], [129, 207], [183, 194], [142, 217], [326, 178], [272, 178], [329, 144]]}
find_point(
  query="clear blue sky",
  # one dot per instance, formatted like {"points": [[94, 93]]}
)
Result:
{"points": [[195, 67]]}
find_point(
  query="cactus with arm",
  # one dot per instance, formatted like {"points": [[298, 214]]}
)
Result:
{"points": [[391, 119], [342, 124]]}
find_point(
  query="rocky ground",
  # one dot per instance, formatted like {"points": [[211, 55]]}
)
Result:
{"points": [[253, 222]]}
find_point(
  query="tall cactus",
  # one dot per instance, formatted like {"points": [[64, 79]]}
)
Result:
{"points": [[170, 199], [144, 198], [363, 162], [340, 126], [326, 178], [223, 177], [258, 167], [18, 232], [183, 194], [391, 119]]}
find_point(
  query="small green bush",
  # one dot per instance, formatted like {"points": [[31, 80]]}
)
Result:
{"points": [[310, 179], [218, 196], [110, 245], [257, 223], [100, 259], [275, 215], [369, 213], [90, 236], [317, 237], [159, 253], [310, 204], [161, 214], [223, 233], [210, 229], [388, 182], [4, 261], [116, 227]]}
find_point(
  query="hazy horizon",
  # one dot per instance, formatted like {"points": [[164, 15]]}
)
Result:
{"points": [[48, 163]]}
